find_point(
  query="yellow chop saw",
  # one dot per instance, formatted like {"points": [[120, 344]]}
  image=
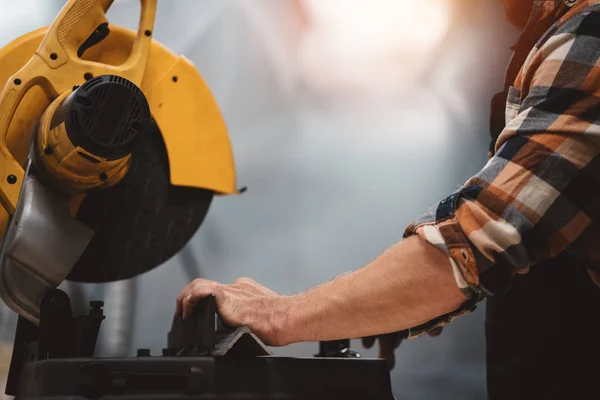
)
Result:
{"points": [[111, 150]]}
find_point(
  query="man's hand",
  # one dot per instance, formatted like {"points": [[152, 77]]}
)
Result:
{"points": [[389, 343], [245, 303], [387, 346]]}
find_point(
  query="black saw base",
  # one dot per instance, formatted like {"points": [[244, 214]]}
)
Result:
{"points": [[259, 378], [204, 360]]}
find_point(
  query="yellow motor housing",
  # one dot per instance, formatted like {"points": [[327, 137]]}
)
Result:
{"points": [[85, 138]]}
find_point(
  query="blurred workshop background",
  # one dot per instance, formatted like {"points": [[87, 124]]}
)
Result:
{"points": [[348, 119]]}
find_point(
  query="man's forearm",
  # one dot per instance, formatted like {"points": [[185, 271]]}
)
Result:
{"points": [[408, 285]]}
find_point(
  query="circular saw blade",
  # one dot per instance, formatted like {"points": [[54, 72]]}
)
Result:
{"points": [[141, 222]]}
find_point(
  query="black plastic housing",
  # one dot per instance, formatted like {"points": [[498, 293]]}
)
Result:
{"points": [[106, 116]]}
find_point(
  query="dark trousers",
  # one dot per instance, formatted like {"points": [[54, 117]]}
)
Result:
{"points": [[543, 335]]}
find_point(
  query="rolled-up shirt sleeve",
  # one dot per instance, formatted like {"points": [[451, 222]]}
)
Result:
{"points": [[539, 195]]}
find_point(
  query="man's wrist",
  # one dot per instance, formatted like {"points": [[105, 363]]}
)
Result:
{"points": [[278, 310], [288, 321]]}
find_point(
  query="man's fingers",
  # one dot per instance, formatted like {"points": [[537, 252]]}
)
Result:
{"points": [[436, 332], [178, 309], [248, 281], [180, 298], [368, 341], [387, 347], [196, 293], [255, 287], [190, 295], [188, 305]]}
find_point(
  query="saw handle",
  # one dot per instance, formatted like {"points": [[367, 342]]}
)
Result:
{"points": [[56, 68], [78, 20]]}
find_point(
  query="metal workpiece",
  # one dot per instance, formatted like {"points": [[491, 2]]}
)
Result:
{"points": [[42, 244], [239, 342]]}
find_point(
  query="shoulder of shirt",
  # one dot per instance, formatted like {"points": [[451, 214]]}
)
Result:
{"points": [[571, 21]]}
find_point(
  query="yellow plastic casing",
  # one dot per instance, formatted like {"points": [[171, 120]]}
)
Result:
{"points": [[40, 66], [72, 167]]}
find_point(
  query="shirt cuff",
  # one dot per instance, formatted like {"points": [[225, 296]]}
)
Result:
{"points": [[440, 227]]}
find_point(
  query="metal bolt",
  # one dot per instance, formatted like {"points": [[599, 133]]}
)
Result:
{"points": [[75, 87], [148, 32], [11, 179], [103, 177], [88, 75], [53, 56], [175, 79], [48, 150], [17, 81]]}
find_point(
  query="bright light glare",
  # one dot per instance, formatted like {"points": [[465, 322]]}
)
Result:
{"points": [[370, 43], [376, 25]]}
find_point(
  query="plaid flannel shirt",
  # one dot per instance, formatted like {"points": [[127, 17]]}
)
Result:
{"points": [[539, 195]]}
